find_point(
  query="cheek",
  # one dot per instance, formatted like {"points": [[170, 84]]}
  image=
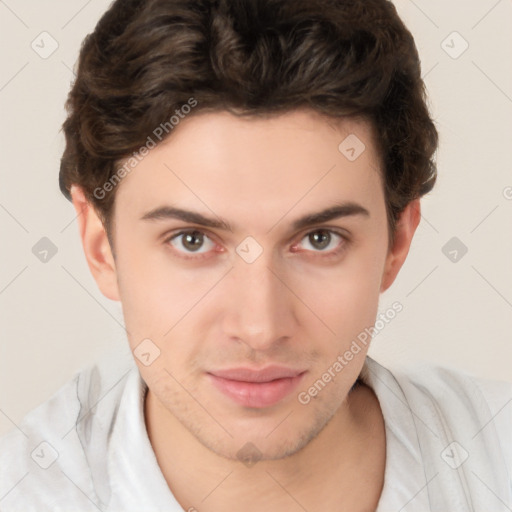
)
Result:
{"points": [[151, 297], [160, 296], [344, 294], [161, 299]]}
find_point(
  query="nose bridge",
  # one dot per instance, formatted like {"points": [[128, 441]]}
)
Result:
{"points": [[260, 306]]}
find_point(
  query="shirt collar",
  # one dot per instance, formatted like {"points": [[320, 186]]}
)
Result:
{"points": [[136, 480], [137, 483]]}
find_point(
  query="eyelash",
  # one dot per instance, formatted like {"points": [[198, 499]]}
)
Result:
{"points": [[330, 254]]}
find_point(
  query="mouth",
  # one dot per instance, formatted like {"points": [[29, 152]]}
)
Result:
{"points": [[256, 388]]}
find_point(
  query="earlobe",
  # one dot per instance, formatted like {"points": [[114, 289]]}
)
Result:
{"points": [[96, 246], [405, 229]]}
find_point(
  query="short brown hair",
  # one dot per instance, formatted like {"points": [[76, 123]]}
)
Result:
{"points": [[147, 58]]}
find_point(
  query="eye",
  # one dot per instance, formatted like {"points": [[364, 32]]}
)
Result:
{"points": [[195, 242], [192, 241], [322, 239]]}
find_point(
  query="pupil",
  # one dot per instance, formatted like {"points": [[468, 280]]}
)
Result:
{"points": [[319, 238], [191, 236], [324, 238]]}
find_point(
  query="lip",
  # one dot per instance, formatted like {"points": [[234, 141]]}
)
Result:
{"points": [[256, 388]]}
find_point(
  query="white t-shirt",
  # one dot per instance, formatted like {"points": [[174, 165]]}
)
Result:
{"points": [[448, 444]]}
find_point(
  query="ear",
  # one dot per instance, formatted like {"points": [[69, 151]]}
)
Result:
{"points": [[405, 228], [96, 246]]}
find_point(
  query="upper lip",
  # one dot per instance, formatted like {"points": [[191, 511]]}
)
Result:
{"points": [[262, 375]]}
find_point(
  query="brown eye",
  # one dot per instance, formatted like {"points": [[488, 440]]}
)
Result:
{"points": [[191, 242], [320, 239], [325, 241]]}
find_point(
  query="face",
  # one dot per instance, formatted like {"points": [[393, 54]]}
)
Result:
{"points": [[256, 285]]}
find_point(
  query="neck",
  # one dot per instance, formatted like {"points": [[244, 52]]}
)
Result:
{"points": [[341, 468]]}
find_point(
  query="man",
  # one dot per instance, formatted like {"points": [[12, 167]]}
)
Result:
{"points": [[247, 177]]}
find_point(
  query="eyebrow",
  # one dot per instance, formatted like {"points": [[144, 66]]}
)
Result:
{"points": [[336, 211]]}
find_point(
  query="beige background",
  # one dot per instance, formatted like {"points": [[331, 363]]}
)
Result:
{"points": [[55, 321]]}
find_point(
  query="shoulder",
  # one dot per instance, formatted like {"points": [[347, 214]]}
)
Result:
{"points": [[44, 463], [44, 421], [448, 432], [453, 392], [464, 416]]}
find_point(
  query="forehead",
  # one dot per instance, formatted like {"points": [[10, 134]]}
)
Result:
{"points": [[245, 166]]}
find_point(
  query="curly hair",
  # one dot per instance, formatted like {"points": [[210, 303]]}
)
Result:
{"points": [[145, 59]]}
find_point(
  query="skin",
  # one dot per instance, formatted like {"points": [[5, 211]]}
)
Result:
{"points": [[292, 306]]}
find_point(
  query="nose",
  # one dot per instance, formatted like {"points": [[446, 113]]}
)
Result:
{"points": [[261, 309]]}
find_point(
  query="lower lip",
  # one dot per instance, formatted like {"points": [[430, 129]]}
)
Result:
{"points": [[256, 394]]}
